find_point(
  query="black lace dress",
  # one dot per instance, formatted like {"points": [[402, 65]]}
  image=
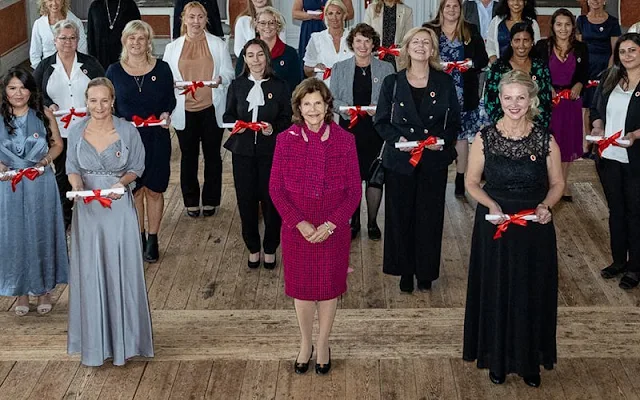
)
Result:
{"points": [[512, 296]]}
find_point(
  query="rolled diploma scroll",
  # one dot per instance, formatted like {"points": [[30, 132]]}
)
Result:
{"points": [[314, 12], [412, 144], [229, 125], [494, 217], [62, 113], [161, 123], [318, 70], [184, 84], [87, 193], [596, 139], [363, 108], [14, 172]]}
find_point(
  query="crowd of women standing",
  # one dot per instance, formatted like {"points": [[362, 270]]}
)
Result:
{"points": [[301, 150]]}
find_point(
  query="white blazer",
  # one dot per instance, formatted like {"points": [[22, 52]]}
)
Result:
{"points": [[404, 21], [222, 67], [42, 40], [635, 28], [493, 48]]}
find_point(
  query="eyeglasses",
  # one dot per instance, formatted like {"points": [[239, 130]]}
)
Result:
{"points": [[269, 23], [67, 39]]}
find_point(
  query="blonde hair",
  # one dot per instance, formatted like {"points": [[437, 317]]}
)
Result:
{"points": [[132, 28], [191, 4], [270, 10], [64, 7], [404, 61], [101, 81], [377, 9], [522, 78], [251, 9], [337, 3]]}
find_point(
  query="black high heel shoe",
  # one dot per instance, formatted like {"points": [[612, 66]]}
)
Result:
{"points": [[323, 369], [532, 380], [193, 213], [497, 378], [406, 283], [270, 265], [151, 252], [301, 368]]}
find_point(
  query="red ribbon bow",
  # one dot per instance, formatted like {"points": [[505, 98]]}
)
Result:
{"points": [[355, 113], [416, 152], [29, 173], [392, 50], [139, 121], [254, 126], [563, 94], [517, 219], [192, 88], [326, 74], [72, 113], [104, 201], [592, 83], [610, 141], [462, 66], [322, 13]]}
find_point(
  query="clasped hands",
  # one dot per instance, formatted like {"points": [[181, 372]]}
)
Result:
{"points": [[630, 136], [543, 214], [315, 234]]}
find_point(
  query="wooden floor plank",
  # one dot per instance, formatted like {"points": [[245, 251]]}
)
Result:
{"points": [[55, 380], [157, 380], [292, 386], [610, 379], [122, 382], [21, 380], [471, 383], [87, 383], [260, 380], [226, 379], [5, 368], [363, 379], [397, 379], [192, 380], [575, 380], [632, 368], [332, 385], [434, 379]]}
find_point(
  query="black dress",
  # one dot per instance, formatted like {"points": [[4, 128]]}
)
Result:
{"points": [[389, 31], [104, 39], [512, 297], [150, 94], [368, 142]]}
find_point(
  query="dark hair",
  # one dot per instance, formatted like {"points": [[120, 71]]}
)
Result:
{"points": [[308, 86], [515, 29], [35, 100], [268, 69], [529, 10], [562, 12], [463, 28], [618, 72], [365, 30]]}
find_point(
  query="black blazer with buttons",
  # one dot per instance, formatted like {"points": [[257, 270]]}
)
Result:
{"points": [[439, 116], [631, 123], [276, 111]]}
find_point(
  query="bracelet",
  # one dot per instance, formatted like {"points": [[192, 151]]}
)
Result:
{"points": [[326, 224]]}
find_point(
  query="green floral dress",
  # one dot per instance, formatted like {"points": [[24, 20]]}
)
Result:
{"points": [[539, 73]]}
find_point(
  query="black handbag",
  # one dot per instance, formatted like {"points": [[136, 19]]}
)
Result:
{"points": [[376, 171]]}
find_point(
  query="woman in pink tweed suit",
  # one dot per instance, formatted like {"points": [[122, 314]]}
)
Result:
{"points": [[315, 185]]}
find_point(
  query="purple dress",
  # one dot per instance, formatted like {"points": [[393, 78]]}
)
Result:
{"points": [[566, 117]]}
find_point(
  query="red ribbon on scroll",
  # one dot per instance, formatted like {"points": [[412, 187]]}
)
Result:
{"points": [[192, 88], [592, 83], [355, 113], [517, 219], [416, 153], [104, 201], [392, 50], [610, 141], [139, 121], [72, 113], [563, 94], [326, 74], [254, 126], [29, 173], [462, 66]]}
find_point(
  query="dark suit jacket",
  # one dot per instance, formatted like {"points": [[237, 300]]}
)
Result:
{"points": [[476, 51], [470, 12], [214, 26], [276, 111], [581, 74], [396, 116], [45, 69], [632, 122]]}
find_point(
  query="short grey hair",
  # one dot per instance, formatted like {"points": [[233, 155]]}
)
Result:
{"points": [[65, 24], [273, 11]]}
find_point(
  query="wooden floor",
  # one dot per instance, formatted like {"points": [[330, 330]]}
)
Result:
{"points": [[223, 331]]}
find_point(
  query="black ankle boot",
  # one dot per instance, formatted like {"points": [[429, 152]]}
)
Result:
{"points": [[151, 254], [355, 224], [406, 283], [459, 191], [143, 234]]}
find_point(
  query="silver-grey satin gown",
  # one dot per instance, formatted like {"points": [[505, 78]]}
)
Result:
{"points": [[33, 248], [108, 306]]}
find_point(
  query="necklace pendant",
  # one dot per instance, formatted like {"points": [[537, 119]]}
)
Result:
{"points": [[111, 27], [139, 90]]}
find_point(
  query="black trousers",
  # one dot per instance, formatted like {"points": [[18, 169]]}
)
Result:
{"points": [[622, 190], [201, 126], [414, 218], [63, 184], [251, 177]]}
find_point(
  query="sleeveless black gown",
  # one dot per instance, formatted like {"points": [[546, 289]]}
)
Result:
{"points": [[512, 296]]}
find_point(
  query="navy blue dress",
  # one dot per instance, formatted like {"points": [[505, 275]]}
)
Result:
{"points": [[151, 94], [598, 40], [310, 26]]}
